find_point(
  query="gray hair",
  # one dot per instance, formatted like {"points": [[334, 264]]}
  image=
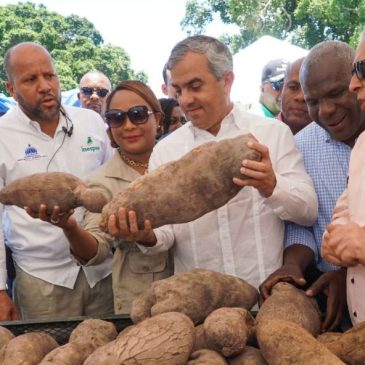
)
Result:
{"points": [[218, 54], [327, 50], [8, 53]]}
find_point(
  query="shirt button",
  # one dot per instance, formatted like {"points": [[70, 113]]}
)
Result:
{"points": [[355, 314], [352, 280]]}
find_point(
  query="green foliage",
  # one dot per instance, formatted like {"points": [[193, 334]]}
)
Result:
{"points": [[304, 22], [74, 43]]}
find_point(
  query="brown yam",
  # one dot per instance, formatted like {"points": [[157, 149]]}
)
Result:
{"points": [[291, 304], [348, 346], [28, 349], [196, 293], [287, 343], [206, 357], [52, 188], [204, 175], [249, 356], [166, 339], [227, 330], [199, 338], [5, 336]]}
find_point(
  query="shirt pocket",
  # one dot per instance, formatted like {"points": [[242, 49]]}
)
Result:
{"points": [[143, 264]]}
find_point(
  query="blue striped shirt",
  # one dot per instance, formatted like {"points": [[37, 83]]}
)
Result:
{"points": [[326, 162]]}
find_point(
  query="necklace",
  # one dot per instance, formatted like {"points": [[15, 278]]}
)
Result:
{"points": [[133, 163]]}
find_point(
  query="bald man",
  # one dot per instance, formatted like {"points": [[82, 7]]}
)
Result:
{"points": [[326, 145], [94, 88], [41, 135]]}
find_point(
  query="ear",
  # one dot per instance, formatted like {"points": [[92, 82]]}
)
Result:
{"points": [[78, 95], [228, 78], [10, 88], [164, 89]]}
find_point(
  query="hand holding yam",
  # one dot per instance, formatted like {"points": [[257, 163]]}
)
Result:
{"points": [[52, 189], [199, 182]]}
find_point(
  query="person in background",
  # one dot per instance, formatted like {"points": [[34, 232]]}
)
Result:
{"points": [[94, 88], [326, 146], [173, 116], [293, 110], [40, 135], [272, 80], [234, 238], [133, 115], [166, 87], [344, 242]]}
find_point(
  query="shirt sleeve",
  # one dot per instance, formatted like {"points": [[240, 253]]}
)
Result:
{"points": [[341, 211], [3, 272], [165, 240], [294, 198], [297, 234]]}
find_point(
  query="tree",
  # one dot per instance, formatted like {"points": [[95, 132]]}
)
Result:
{"points": [[74, 43], [304, 22]]}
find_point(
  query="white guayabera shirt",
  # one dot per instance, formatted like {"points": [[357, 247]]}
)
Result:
{"points": [[244, 237]]}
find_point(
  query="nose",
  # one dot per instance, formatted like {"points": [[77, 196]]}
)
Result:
{"points": [[355, 84], [185, 98], [44, 85], [94, 95], [326, 108]]}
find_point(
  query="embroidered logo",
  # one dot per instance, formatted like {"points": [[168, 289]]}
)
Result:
{"points": [[30, 154], [90, 146]]}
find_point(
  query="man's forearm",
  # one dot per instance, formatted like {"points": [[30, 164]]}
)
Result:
{"points": [[298, 255]]}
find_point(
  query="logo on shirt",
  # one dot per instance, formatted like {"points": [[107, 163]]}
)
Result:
{"points": [[30, 154], [90, 146]]}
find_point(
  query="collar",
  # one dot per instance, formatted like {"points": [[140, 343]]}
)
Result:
{"points": [[116, 168]]}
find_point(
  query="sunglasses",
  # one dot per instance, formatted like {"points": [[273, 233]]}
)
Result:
{"points": [[359, 70], [137, 115], [174, 120], [88, 91]]}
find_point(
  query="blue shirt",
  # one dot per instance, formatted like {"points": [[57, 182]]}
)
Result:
{"points": [[326, 162]]}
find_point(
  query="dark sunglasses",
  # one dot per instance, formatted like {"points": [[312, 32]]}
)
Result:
{"points": [[101, 92], [359, 69], [174, 120], [276, 85], [137, 115]]}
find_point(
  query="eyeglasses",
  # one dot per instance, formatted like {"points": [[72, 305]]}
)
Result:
{"points": [[174, 120], [359, 69], [88, 91], [137, 115], [276, 85]]}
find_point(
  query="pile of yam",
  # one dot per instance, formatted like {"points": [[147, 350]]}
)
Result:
{"points": [[193, 327]]}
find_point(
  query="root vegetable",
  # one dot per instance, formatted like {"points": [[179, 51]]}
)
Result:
{"points": [[5, 336], [52, 188], [291, 304], [287, 343], [204, 176], [206, 357], [249, 356], [196, 293]]}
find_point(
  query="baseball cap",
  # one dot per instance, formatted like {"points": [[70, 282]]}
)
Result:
{"points": [[274, 70]]}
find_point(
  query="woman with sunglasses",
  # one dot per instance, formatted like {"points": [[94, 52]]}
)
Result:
{"points": [[133, 114], [173, 116]]}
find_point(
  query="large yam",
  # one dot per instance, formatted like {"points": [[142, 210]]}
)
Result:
{"points": [[52, 188], [198, 183], [5, 336], [196, 293], [287, 343], [291, 304], [249, 356], [348, 346], [28, 349], [206, 357], [226, 330], [166, 339]]}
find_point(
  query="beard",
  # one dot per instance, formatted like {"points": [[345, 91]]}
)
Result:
{"points": [[37, 112]]}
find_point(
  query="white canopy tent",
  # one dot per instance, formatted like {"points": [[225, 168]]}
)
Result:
{"points": [[249, 62]]}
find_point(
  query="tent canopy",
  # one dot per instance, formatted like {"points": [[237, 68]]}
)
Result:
{"points": [[249, 62]]}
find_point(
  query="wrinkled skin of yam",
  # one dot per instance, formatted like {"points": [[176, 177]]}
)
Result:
{"points": [[348, 346], [249, 356], [52, 188], [199, 182], [206, 357], [166, 339], [73, 353], [199, 338], [291, 304], [5, 336], [28, 349], [287, 343], [196, 293], [226, 330]]}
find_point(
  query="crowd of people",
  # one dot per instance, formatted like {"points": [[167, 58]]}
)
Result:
{"points": [[298, 219]]}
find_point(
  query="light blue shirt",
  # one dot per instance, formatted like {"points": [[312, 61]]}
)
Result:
{"points": [[326, 162]]}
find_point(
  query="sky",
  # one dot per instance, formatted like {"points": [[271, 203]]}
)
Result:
{"points": [[146, 29]]}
